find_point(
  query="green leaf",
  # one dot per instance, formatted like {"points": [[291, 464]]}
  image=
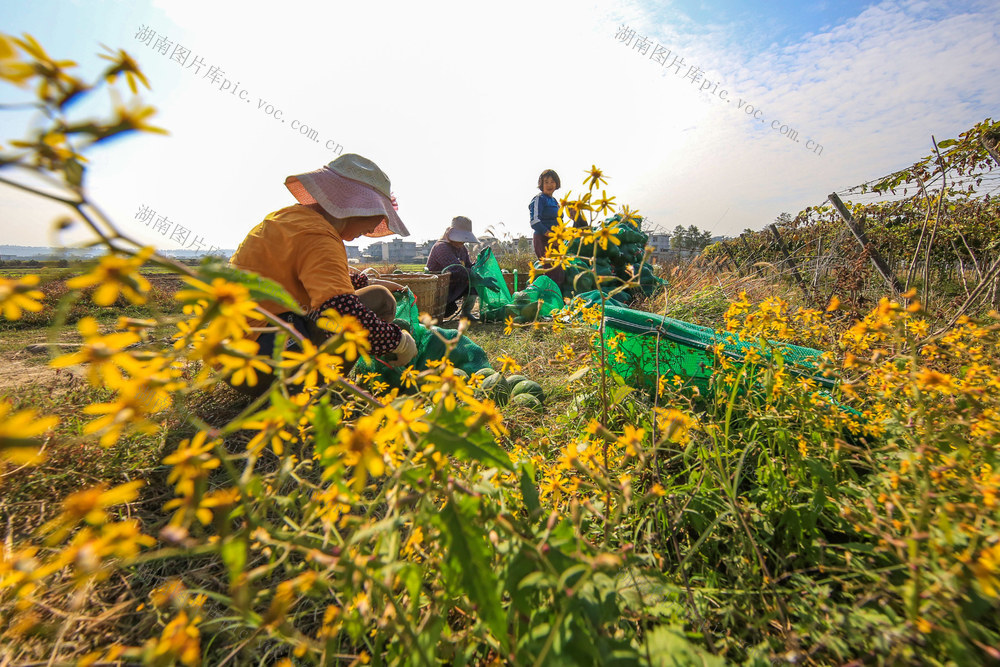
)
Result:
{"points": [[946, 143], [410, 576], [325, 424], [620, 394], [469, 556], [534, 580], [478, 446], [529, 491], [572, 574], [234, 555], [261, 289], [668, 646]]}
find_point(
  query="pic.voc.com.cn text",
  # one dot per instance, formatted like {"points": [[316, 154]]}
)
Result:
{"points": [[216, 77], [668, 59]]}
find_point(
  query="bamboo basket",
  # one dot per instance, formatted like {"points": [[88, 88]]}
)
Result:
{"points": [[429, 289]]}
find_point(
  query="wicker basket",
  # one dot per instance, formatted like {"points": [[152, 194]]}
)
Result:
{"points": [[429, 289]]}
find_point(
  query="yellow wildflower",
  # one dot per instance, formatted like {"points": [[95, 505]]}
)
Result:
{"points": [[508, 364], [180, 640], [360, 450], [240, 358], [595, 177], [353, 337], [605, 233], [19, 295], [104, 354], [190, 462], [227, 305], [116, 275], [88, 506], [18, 432]]}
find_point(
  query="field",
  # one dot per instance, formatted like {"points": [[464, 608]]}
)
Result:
{"points": [[785, 472], [754, 524]]}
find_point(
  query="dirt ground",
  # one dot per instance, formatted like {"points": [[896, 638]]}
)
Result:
{"points": [[21, 368]]}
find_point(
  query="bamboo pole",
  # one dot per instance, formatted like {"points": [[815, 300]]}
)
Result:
{"points": [[937, 221], [989, 149], [789, 260], [923, 231], [866, 244], [819, 261], [961, 266]]}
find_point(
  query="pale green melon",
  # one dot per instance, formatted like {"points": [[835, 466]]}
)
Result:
{"points": [[529, 387]]}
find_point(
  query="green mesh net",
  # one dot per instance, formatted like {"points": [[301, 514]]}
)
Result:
{"points": [[488, 280], [430, 347], [496, 302], [653, 345]]}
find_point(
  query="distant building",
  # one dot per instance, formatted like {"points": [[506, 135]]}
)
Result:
{"points": [[424, 250], [353, 252], [395, 250], [660, 243]]}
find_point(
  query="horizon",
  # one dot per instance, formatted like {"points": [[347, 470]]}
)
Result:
{"points": [[724, 144]]}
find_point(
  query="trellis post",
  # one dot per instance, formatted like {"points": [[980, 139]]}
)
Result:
{"points": [[866, 244]]}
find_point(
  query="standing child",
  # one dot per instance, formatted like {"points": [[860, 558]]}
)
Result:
{"points": [[544, 210]]}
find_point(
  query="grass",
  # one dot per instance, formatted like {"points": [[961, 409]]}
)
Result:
{"points": [[72, 461], [741, 513], [385, 269]]}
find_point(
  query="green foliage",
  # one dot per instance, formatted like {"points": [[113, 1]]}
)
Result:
{"points": [[934, 224], [690, 238]]}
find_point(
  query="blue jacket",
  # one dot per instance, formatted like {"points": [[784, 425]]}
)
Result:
{"points": [[544, 212]]}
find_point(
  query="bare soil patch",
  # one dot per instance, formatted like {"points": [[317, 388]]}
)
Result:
{"points": [[18, 371]]}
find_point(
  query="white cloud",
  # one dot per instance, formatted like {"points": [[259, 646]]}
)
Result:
{"points": [[464, 104]]}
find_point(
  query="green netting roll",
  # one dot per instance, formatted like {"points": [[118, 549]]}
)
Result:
{"points": [[656, 345]]}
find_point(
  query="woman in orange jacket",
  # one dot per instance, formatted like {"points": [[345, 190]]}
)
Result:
{"points": [[301, 247]]}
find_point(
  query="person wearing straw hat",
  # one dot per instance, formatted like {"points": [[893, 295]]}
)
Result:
{"points": [[450, 254], [301, 247]]}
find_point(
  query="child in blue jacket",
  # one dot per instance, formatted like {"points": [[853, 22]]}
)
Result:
{"points": [[544, 210]]}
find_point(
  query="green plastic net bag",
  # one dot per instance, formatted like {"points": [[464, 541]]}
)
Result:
{"points": [[654, 345], [430, 347], [539, 299], [487, 279], [546, 292]]}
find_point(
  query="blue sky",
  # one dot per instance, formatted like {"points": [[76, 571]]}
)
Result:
{"points": [[761, 24], [463, 104]]}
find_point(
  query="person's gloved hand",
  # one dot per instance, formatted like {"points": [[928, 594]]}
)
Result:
{"points": [[404, 352], [489, 282]]}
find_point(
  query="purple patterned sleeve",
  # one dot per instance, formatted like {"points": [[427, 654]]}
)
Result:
{"points": [[359, 280], [383, 336], [441, 255]]}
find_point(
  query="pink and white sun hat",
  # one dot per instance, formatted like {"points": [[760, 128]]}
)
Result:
{"points": [[350, 186]]}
